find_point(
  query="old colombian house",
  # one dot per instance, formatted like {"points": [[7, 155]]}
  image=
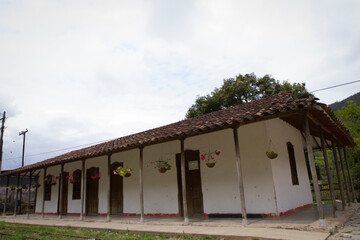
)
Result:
{"points": [[244, 181]]}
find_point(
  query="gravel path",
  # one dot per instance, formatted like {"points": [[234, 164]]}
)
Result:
{"points": [[351, 229]]}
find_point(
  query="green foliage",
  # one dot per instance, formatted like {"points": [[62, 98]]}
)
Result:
{"points": [[350, 116], [161, 164], [122, 171], [243, 89]]}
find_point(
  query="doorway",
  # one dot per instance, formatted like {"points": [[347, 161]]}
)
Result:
{"points": [[92, 191], [194, 195], [116, 191], [64, 201]]}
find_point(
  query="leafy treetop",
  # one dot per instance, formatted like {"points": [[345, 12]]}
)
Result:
{"points": [[243, 89], [350, 116]]}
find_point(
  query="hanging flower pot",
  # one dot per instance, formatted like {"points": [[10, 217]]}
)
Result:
{"points": [[162, 170], [12, 187], [74, 178], [271, 155], [210, 158], [96, 176], [51, 179], [161, 165], [124, 172], [210, 164]]}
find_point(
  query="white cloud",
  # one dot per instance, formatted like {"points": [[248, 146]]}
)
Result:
{"points": [[83, 71]]}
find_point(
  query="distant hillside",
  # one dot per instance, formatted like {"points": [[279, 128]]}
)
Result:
{"points": [[338, 105]]}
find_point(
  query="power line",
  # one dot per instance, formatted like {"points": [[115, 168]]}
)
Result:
{"points": [[339, 85], [59, 150]]}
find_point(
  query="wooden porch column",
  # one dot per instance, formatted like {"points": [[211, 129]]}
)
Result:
{"points": [[183, 182], [29, 188], [350, 178], [43, 197], [313, 171], [240, 176], [327, 168], [141, 179], [36, 190], [108, 189], [338, 175], [16, 194], [61, 185], [6, 194], [82, 190], [20, 193], [344, 176]]}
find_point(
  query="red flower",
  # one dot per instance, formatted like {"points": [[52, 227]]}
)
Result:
{"points": [[203, 156], [217, 153]]}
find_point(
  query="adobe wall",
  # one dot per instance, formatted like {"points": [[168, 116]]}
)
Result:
{"points": [[288, 196]]}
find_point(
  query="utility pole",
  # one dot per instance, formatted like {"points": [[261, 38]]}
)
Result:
{"points": [[1, 139], [23, 133], [22, 164]]}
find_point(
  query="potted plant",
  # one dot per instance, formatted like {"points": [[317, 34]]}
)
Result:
{"points": [[271, 154], [24, 187], [73, 178], [96, 176], [12, 187], [210, 158], [35, 185], [124, 172], [51, 179], [161, 165]]}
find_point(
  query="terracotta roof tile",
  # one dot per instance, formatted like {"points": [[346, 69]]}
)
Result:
{"points": [[248, 112]]}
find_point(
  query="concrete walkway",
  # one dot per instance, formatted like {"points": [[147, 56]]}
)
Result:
{"points": [[297, 226], [216, 231]]}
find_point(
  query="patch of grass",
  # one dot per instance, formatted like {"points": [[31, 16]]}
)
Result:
{"points": [[21, 231]]}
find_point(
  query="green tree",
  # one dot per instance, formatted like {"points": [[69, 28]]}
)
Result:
{"points": [[243, 89], [350, 116]]}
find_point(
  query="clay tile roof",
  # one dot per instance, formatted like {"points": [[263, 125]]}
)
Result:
{"points": [[232, 116]]}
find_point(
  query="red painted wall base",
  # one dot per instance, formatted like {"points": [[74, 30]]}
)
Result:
{"points": [[125, 214], [290, 211]]}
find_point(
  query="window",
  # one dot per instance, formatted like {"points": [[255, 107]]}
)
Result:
{"points": [[294, 175], [77, 184], [47, 186]]}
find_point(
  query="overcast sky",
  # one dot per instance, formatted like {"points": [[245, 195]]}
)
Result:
{"points": [[79, 72]]}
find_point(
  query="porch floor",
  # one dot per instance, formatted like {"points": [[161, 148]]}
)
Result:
{"points": [[303, 224]]}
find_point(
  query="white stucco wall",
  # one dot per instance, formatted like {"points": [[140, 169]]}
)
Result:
{"points": [[288, 196], [160, 189], [74, 206], [131, 189], [220, 184], [50, 206]]}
